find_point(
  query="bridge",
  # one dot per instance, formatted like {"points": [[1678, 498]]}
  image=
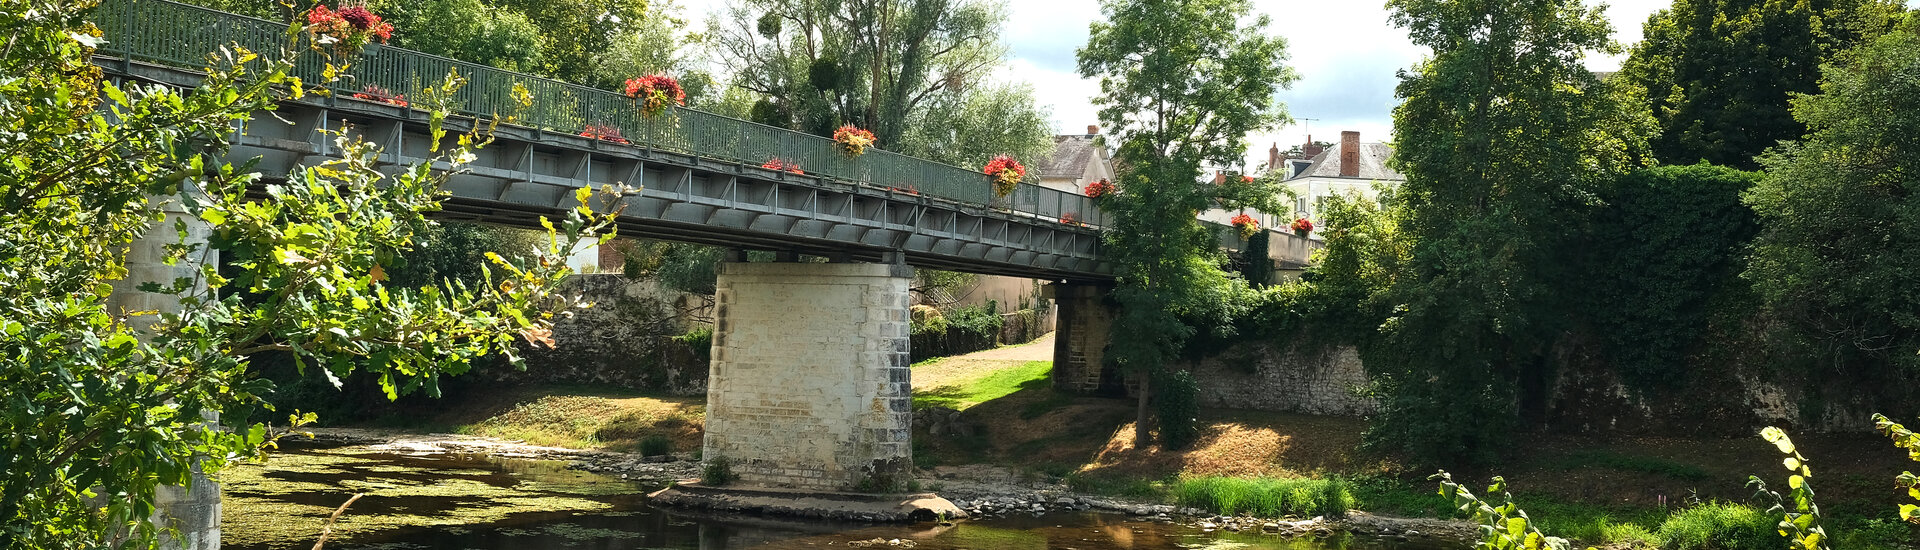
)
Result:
{"points": [[809, 374]]}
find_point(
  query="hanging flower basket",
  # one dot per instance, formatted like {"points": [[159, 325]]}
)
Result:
{"points": [[382, 95], [778, 165], [603, 132], [348, 30], [1006, 174], [656, 92], [1071, 218], [853, 141], [1302, 227], [1246, 225], [1099, 189]]}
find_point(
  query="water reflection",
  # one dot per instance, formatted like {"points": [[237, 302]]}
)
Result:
{"points": [[473, 502]]}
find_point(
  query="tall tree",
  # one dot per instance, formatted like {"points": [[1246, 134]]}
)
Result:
{"points": [[1182, 83], [1502, 142], [100, 402], [877, 64], [1839, 249], [1718, 73], [469, 30]]}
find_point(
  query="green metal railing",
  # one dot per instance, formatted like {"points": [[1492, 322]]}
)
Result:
{"points": [[181, 35]]}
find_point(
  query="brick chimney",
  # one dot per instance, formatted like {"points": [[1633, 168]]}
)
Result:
{"points": [[1349, 154], [1310, 150], [1093, 129], [1273, 157]]}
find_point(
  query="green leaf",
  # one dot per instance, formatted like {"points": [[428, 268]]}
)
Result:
{"points": [[1907, 512]]}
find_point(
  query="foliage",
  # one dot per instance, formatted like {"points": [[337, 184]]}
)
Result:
{"points": [[1718, 74], [1258, 269], [457, 251], [717, 472], [1266, 497], [1504, 136], [470, 30], [108, 390], [876, 64], [969, 129], [1839, 209], [1502, 527], [656, 445], [1176, 403], [1907, 441], [1182, 84], [1800, 517], [656, 44], [578, 32], [981, 320], [1717, 526], [1669, 242]]}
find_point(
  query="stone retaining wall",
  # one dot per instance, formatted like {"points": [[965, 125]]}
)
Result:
{"points": [[1302, 379]]}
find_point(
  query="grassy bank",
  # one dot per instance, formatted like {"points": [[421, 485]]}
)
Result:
{"points": [[1668, 493]]}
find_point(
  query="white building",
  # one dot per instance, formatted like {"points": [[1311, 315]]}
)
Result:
{"points": [[1078, 159], [1347, 168]]}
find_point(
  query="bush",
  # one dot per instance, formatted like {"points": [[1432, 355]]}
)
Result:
{"points": [[1267, 497], [1176, 400], [718, 472], [656, 445], [1719, 526]]}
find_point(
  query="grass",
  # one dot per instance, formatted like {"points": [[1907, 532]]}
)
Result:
{"points": [[1718, 526], [1266, 497], [595, 422], [1002, 383]]}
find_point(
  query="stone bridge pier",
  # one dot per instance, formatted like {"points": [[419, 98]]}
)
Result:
{"points": [[809, 383], [1080, 340]]}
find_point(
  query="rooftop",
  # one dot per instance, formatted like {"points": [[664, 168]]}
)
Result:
{"points": [[1373, 164], [1071, 153]]}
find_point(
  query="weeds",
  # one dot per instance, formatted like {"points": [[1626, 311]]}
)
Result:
{"points": [[718, 472], [656, 445], [1267, 497]]}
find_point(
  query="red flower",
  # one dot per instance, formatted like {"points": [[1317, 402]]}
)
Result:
{"points": [[853, 140], [776, 164], [1006, 173], [1246, 224], [1246, 179], [655, 93], [360, 18], [1302, 225], [321, 15], [603, 132], [1070, 218], [1099, 189]]}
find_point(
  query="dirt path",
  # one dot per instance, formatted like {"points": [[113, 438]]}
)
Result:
{"points": [[958, 369]]}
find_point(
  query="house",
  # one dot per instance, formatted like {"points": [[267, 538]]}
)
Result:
{"points": [[1078, 159], [1349, 167]]}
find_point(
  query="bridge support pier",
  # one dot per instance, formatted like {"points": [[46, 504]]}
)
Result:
{"points": [[1080, 340], [809, 383], [194, 510]]}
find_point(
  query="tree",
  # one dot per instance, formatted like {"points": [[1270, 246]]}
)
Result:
{"points": [[101, 405], [1182, 84], [469, 30], [1502, 139], [656, 45], [889, 66], [1718, 73], [1840, 211], [578, 31]]}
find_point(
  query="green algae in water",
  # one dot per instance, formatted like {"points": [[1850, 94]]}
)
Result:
{"points": [[575, 532], [263, 509]]}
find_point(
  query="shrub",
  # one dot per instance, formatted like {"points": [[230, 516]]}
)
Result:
{"points": [[1176, 398], [718, 472], [656, 445], [1718, 526], [1267, 497]]}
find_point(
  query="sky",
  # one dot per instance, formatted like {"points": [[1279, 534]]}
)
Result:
{"points": [[1346, 53]]}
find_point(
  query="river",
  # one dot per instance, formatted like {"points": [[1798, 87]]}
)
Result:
{"points": [[463, 502]]}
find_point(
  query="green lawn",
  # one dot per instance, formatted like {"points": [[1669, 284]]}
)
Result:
{"points": [[1029, 375]]}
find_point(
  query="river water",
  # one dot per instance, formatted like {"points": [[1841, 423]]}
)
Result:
{"points": [[462, 502]]}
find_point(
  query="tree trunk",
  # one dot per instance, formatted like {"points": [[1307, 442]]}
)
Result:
{"points": [[1140, 437]]}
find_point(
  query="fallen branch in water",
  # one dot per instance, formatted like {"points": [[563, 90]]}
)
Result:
{"points": [[328, 531]]}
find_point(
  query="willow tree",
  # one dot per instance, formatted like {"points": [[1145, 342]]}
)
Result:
{"points": [[1182, 83], [1501, 137]]}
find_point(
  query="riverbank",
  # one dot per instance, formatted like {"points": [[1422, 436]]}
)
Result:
{"points": [[992, 435]]}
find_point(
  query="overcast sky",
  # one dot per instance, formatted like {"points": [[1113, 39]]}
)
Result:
{"points": [[1346, 52]]}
